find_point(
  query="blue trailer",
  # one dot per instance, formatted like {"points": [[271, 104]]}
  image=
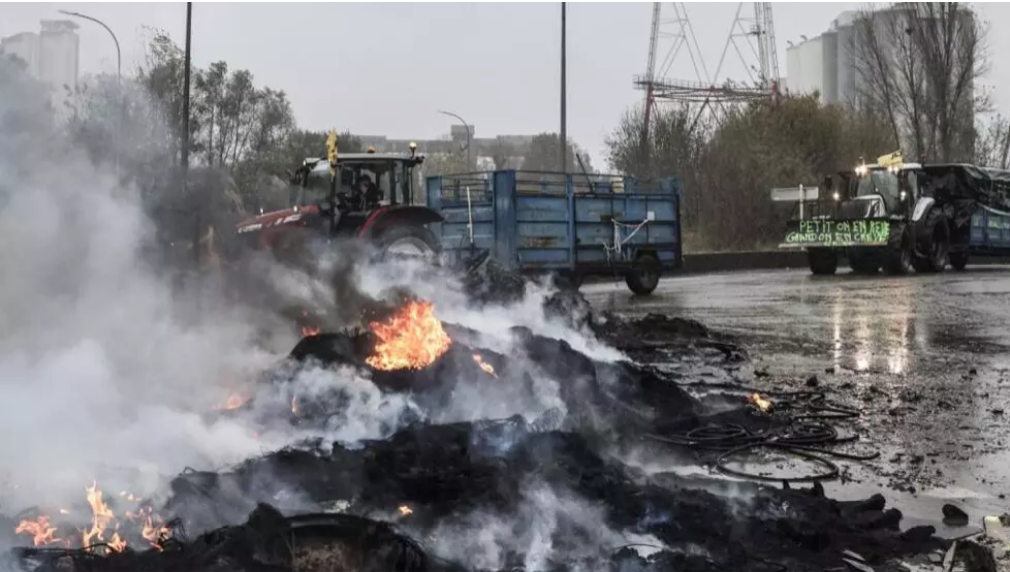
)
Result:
{"points": [[570, 225], [990, 232]]}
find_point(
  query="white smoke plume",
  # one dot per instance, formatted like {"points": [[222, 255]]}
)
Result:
{"points": [[544, 518], [103, 367]]}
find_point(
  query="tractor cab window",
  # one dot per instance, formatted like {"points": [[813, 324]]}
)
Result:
{"points": [[374, 180], [879, 182]]}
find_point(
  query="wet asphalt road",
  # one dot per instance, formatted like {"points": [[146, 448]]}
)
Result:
{"points": [[926, 358]]}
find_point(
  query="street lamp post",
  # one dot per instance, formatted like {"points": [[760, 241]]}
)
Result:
{"points": [[564, 97], [469, 134], [119, 76]]}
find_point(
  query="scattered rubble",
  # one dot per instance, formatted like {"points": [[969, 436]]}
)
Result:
{"points": [[554, 491]]}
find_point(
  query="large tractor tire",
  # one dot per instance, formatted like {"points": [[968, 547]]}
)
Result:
{"points": [[898, 254], [409, 242], [959, 260], [823, 261], [937, 250], [644, 279]]}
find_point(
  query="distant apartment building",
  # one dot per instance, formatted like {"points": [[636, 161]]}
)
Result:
{"points": [[51, 56]]}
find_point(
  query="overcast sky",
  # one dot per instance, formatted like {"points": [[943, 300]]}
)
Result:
{"points": [[385, 68]]}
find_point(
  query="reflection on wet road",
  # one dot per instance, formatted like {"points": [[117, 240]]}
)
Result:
{"points": [[862, 324], [925, 357]]}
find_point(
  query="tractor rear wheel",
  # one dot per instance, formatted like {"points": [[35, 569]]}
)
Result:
{"points": [[406, 242]]}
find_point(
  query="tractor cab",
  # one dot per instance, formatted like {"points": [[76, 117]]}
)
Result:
{"points": [[362, 181], [886, 188], [364, 195]]}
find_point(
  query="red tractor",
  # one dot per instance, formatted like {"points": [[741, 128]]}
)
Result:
{"points": [[368, 196]]}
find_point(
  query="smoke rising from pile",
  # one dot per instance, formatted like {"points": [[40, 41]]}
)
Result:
{"points": [[106, 369], [99, 369]]}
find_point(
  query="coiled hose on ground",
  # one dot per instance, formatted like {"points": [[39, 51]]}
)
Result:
{"points": [[804, 435]]}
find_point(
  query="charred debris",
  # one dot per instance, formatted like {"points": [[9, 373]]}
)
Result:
{"points": [[411, 501]]}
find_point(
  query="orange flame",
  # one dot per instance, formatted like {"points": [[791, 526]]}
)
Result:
{"points": [[116, 543], [41, 530], [294, 404], [235, 401], [488, 369], [762, 403], [153, 529], [405, 510], [100, 519], [411, 339], [310, 331], [103, 521]]}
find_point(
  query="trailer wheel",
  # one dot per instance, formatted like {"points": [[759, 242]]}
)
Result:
{"points": [[958, 260], [822, 261], [898, 257], [938, 249], [644, 278]]}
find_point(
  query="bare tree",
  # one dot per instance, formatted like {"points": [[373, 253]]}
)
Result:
{"points": [[917, 63], [992, 143]]}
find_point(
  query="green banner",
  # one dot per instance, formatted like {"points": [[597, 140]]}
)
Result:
{"points": [[836, 233]]}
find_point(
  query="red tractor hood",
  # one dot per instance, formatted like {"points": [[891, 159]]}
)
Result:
{"points": [[275, 219]]}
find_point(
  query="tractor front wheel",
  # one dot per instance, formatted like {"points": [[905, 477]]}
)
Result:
{"points": [[958, 260], [898, 257], [823, 261]]}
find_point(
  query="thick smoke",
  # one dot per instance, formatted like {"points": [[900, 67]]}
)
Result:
{"points": [[108, 371], [103, 367]]}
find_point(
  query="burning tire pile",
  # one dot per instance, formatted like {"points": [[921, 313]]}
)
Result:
{"points": [[560, 488]]}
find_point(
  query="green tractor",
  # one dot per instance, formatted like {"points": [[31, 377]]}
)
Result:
{"points": [[879, 216]]}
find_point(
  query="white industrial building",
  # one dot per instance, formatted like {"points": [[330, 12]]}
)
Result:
{"points": [[51, 56], [825, 64]]}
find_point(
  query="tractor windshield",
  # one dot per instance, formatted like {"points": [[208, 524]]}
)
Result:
{"points": [[878, 182], [386, 179]]}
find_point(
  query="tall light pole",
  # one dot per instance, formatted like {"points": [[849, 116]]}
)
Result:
{"points": [[187, 58], [564, 89], [119, 54], [119, 76], [469, 135]]}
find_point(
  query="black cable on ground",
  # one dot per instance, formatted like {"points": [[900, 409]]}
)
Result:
{"points": [[805, 436]]}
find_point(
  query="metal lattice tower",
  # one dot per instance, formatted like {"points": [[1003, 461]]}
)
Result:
{"points": [[752, 36]]}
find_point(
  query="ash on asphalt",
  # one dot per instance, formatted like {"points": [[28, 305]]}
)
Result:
{"points": [[924, 358]]}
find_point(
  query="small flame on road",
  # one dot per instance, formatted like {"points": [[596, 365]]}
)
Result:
{"points": [[103, 522], [41, 530], [762, 403], [405, 510], [488, 369], [413, 338], [100, 519]]}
